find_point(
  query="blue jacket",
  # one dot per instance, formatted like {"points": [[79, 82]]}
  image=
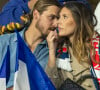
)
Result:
{"points": [[41, 52]]}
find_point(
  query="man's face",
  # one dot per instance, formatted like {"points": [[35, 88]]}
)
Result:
{"points": [[47, 20]]}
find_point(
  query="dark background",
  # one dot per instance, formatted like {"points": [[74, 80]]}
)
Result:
{"points": [[92, 2]]}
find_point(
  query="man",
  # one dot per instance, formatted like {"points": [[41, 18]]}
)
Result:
{"points": [[44, 15]]}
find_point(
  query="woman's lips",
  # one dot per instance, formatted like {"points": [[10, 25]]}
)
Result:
{"points": [[59, 28]]}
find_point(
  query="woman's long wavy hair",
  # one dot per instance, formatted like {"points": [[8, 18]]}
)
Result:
{"points": [[85, 21]]}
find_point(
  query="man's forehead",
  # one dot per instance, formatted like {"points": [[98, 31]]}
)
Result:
{"points": [[51, 10]]}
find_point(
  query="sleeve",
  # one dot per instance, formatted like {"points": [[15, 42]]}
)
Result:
{"points": [[12, 11], [9, 57], [97, 14]]}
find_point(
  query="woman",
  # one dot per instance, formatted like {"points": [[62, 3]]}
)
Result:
{"points": [[76, 29]]}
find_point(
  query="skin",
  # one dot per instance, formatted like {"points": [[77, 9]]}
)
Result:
{"points": [[52, 42], [41, 26], [46, 22], [66, 24]]}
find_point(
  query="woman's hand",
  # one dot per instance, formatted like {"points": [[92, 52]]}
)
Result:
{"points": [[52, 39]]}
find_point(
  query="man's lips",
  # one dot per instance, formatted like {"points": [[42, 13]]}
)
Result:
{"points": [[52, 29]]}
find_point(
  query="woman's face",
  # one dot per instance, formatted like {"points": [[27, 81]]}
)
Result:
{"points": [[66, 23]]}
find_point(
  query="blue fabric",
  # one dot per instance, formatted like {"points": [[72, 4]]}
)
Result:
{"points": [[37, 77], [62, 55], [61, 1], [12, 11], [94, 79], [5, 68], [7, 59], [41, 52]]}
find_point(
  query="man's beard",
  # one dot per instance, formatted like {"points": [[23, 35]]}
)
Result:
{"points": [[40, 28], [52, 28]]}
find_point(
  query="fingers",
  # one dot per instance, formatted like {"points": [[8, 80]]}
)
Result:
{"points": [[52, 36], [52, 40]]}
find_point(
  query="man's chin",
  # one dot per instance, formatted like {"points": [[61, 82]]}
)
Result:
{"points": [[44, 36], [51, 29]]}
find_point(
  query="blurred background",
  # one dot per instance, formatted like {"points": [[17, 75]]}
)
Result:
{"points": [[92, 2], [2, 3]]}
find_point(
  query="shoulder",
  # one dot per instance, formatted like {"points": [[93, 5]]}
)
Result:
{"points": [[7, 38], [5, 41]]}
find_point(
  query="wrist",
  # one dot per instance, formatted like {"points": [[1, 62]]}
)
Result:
{"points": [[51, 49]]}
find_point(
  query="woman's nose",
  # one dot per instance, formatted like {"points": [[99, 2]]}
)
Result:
{"points": [[58, 22]]}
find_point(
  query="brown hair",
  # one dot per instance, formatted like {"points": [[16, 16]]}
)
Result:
{"points": [[41, 5], [84, 32]]}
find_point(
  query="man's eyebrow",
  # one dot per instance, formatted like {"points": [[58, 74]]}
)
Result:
{"points": [[53, 15]]}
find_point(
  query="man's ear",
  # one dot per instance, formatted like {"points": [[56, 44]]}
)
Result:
{"points": [[36, 14]]}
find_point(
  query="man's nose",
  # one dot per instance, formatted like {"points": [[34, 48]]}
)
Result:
{"points": [[55, 23]]}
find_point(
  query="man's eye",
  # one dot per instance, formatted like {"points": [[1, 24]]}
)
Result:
{"points": [[58, 17], [51, 17]]}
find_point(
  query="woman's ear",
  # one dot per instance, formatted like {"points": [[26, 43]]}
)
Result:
{"points": [[36, 14]]}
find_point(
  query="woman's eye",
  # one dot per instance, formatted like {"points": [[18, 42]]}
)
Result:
{"points": [[64, 16]]}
